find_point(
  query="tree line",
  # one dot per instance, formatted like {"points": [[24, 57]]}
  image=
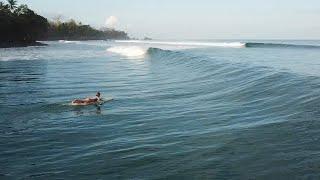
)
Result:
{"points": [[21, 25], [72, 30]]}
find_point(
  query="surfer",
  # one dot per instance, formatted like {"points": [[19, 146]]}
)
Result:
{"points": [[87, 101]]}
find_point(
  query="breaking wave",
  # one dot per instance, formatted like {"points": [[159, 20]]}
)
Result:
{"points": [[128, 51], [186, 43]]}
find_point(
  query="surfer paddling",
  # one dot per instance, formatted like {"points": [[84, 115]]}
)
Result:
{"points": [[88, 101]]}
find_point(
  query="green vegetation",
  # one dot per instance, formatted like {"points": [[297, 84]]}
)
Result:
{"points": [[72, 30], [20, 26]]}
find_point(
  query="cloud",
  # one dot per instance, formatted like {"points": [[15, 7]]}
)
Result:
{"points": [[112, 22]]}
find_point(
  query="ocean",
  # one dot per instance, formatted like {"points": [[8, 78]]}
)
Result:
{"points": [[181, 110]]}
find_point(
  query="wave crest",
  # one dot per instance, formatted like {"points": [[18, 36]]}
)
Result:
{"points": [[128, 51], [279, 45], [68, 42], [186, 43]]}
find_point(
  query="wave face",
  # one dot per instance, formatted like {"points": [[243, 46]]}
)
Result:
{"points": [[177, 113]]}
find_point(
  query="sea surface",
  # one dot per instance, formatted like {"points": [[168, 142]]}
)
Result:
{"points": [[180, 110]]}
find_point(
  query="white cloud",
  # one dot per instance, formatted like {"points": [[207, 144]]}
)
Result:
{"points": [[112, 22]]}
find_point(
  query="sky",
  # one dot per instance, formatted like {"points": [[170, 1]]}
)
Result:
{"points": [[193, 19]]}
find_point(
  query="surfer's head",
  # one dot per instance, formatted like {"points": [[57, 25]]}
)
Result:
{"points": [[98, 94]]}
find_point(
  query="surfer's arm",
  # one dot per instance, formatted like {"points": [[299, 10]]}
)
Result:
{"points": [[95, 99]]}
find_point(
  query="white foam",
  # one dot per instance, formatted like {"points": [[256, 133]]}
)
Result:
{"points": [[128, 51], [68, 42], [188, 43]]}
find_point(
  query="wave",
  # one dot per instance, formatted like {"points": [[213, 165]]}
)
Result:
{"points": [[67, 42], [188, 44], [191, 44], [260, 91], [279, 45], [128, 51]]}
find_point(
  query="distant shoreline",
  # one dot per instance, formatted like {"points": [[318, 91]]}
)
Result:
{"points": [[20, 44]]}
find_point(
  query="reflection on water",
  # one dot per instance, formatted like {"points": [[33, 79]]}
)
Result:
{"points": [[87, 111]]}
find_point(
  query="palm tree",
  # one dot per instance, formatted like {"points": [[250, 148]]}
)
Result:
{"points": [[3, 6], [12, 4]]}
